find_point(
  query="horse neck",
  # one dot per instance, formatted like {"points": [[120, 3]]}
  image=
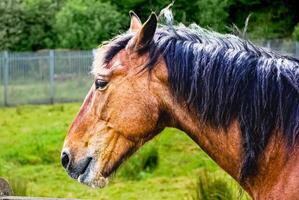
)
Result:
{"points": [[224, 147]]}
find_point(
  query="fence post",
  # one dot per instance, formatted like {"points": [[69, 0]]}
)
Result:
{"points": [[51, 68], [297, 49], [268, 44], [5, 77]]}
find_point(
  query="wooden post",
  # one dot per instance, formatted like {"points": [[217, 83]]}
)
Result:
{"points": [[5, 189], [31, 198]]}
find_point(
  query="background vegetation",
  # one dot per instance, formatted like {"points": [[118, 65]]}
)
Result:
{"points": [[169, 167], [78, 24]]}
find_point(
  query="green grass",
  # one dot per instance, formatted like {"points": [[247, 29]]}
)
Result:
{"points": [[168, 167]]}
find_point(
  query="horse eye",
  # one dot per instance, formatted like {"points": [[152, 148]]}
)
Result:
{"points": [[101, 84]]}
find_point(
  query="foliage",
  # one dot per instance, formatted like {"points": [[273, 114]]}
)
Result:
{"points": [[10, 24], [78, 24], [85, 24], [296, 32], [27, 24], [269, 19], [208, 13]]}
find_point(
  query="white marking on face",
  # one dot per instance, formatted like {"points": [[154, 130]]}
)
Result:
{"points": [[98, 61], [116, 64]]}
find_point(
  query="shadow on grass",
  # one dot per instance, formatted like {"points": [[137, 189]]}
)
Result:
{"points": [[18, 185], [210, 186], [141, 165]]}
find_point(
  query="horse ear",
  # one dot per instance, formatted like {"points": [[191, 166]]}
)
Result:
{"points": [[135, 24], [147, 32]]}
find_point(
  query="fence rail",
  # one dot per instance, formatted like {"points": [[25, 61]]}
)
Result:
{"points": [[52, 76]]}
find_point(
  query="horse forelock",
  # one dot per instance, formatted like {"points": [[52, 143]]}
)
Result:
{"points": [[222, 78], [104, 54]]}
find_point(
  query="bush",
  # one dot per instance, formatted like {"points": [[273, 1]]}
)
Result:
{"points": [[207, 13], [268, 25], [296, 32], [84, 24], [213, 13], [27, 24]]}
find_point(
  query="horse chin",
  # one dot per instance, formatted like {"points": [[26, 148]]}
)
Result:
{"points": [[99, 182], [95, 182], [93, 179]]}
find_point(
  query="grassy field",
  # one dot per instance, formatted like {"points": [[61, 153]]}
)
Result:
{"points": [[170, 167]]}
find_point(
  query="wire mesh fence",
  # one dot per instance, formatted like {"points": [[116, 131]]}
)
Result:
{"points": [[44, 77], [52, 76], [286, 47]]}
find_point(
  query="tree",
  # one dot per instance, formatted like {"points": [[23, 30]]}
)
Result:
{"points": [[10, 24], [213, 13], [84, 24], [27, 24], [269, 19], [207, 13], [296, 32]]}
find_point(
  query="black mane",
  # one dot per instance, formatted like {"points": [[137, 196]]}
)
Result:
{"points": [[223, 78]]}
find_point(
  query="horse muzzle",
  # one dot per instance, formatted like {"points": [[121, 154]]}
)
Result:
{"points": [[84, 170]]}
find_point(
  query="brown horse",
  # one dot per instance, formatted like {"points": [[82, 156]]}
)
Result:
{"points": [[238, 102]]}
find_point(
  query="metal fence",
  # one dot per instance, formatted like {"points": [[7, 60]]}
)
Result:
{"points": [[44, 77], [63, 76], [287, 47]]}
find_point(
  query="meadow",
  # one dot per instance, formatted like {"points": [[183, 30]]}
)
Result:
{"points": [[171, 166]]}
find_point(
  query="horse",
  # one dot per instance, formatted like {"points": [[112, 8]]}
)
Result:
{"points": [[237, 101]]}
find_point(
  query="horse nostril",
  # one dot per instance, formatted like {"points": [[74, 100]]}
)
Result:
{"points": [[65, 159]]}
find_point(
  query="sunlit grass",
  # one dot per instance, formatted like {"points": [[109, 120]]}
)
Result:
{"points": [[168, 167]]}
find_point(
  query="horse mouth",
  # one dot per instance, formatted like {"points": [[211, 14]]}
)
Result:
{"points": [[87, 166], [90, 177]]}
